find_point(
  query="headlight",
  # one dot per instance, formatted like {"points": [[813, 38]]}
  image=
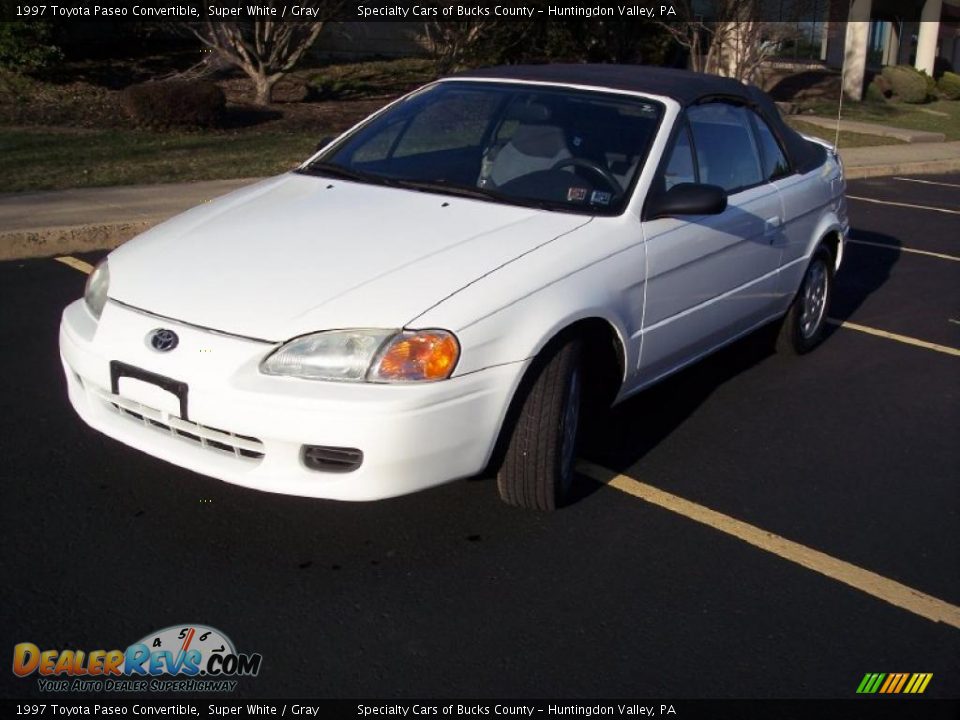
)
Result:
{"points": [[95, 292], [367, 355]]}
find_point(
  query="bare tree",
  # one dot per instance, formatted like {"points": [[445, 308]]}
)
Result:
{"points": [[732, 40], [692, 34], [450, 42], [265, 50]]}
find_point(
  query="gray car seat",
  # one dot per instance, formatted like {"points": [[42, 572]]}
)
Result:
{"points": [[535, 145]]}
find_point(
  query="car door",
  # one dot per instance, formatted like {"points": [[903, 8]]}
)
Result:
{"points": [[799, 206], [710, 278]]}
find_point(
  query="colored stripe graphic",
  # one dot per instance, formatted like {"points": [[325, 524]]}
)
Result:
{"points": [[894, 683], [903, 679]]}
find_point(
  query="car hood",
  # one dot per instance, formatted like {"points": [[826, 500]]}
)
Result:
{"points": [[298, 254]]}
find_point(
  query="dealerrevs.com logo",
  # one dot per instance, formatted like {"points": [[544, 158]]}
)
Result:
{"points": [[180, 658]]}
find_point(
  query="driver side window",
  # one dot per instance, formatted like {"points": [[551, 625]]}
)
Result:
{"points": [[680, 167], [727, 154]]}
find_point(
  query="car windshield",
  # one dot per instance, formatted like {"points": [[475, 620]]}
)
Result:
{"points": [[548, 147]]}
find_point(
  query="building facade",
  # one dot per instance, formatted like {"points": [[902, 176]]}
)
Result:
{"points": [[867, 34]]}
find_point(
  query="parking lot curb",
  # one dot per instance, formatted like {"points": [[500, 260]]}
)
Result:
{"points": [[47, 242], [927, 167]]}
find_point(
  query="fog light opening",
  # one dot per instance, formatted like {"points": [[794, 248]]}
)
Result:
{"points": [[324, 458]]}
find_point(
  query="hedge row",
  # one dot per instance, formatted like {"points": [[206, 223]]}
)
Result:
{"points": [[907, 84], [175, 103]]}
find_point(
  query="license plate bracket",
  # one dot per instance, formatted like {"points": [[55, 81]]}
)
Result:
{"points": [[179, 388]]}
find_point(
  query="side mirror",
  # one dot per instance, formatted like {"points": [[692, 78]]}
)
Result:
{"points": [[324, 141], [688, 199]]}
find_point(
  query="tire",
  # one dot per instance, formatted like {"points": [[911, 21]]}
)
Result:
{"points": [[803, 326], [537, 468]]}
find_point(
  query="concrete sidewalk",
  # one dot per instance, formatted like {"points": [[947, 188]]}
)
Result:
{"points": [[89, 206], [910, 159], [869, 128], [41, 224]]}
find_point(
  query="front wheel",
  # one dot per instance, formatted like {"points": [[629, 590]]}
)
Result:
{"points": [[803, 327], [537, 468]]}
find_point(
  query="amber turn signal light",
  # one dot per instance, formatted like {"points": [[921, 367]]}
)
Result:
{"points": [[421, 355]]}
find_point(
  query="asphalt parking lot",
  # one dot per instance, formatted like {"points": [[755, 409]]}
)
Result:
{"points": [[850, 453]]}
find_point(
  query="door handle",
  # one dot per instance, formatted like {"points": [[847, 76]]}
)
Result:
{"points": [[770, 226]]}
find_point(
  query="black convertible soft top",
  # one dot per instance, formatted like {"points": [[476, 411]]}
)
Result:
{"points": [[684, 86]]}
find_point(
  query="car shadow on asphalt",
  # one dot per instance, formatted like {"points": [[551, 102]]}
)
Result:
{"points": [[865, 270], [624, 434]]}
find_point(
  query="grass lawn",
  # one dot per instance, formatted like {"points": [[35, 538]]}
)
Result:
{"points": [[52, 159], [940, 116], [847, 139]]}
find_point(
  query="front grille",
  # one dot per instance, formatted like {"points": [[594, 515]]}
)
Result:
{"points": [[242, 447]]}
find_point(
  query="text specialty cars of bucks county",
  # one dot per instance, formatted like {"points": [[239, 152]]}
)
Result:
{"points": [[453, 284]]}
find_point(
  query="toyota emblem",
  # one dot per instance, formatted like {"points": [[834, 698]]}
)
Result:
{"points": [[163, 340]]}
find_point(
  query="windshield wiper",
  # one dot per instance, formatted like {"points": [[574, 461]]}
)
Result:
{"points": [[332, 170], [442, 186]]}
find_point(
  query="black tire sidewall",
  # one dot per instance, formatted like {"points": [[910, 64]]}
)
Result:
{"points": [[531, 474]]}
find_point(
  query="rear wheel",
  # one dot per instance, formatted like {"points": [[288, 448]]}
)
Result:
{"points": [[803, 327], [537, 468]]}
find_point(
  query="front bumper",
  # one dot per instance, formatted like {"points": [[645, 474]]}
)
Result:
{"points": [[249, 429]]}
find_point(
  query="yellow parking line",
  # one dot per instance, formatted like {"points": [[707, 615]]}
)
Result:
{"points": [[880, 587], [894, 336], [76, 264], [906, 205], [888, 246]]}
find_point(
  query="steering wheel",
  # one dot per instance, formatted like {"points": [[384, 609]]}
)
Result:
{"points": [[608, 177]]}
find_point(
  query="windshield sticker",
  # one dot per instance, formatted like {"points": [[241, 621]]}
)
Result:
{"points": [[577, 193], [600, 198]]}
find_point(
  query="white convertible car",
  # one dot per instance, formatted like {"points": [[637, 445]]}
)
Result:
{"points": [[446, 287]]}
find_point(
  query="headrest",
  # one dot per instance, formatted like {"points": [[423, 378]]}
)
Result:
{"points": [[528, 113], [544, 141]]}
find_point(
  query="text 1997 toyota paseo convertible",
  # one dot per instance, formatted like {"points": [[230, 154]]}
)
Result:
{"points": [[445, 288]]}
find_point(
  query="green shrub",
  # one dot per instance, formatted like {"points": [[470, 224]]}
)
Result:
{"points": [[876, 91], [949, 86], [883, 85], [15, 87], [26, 46], [907, 83], [175, 103]]}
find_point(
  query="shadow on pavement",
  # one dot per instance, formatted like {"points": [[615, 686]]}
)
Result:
{"points": [[626, 433], [863, 272], [630, 430]]}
